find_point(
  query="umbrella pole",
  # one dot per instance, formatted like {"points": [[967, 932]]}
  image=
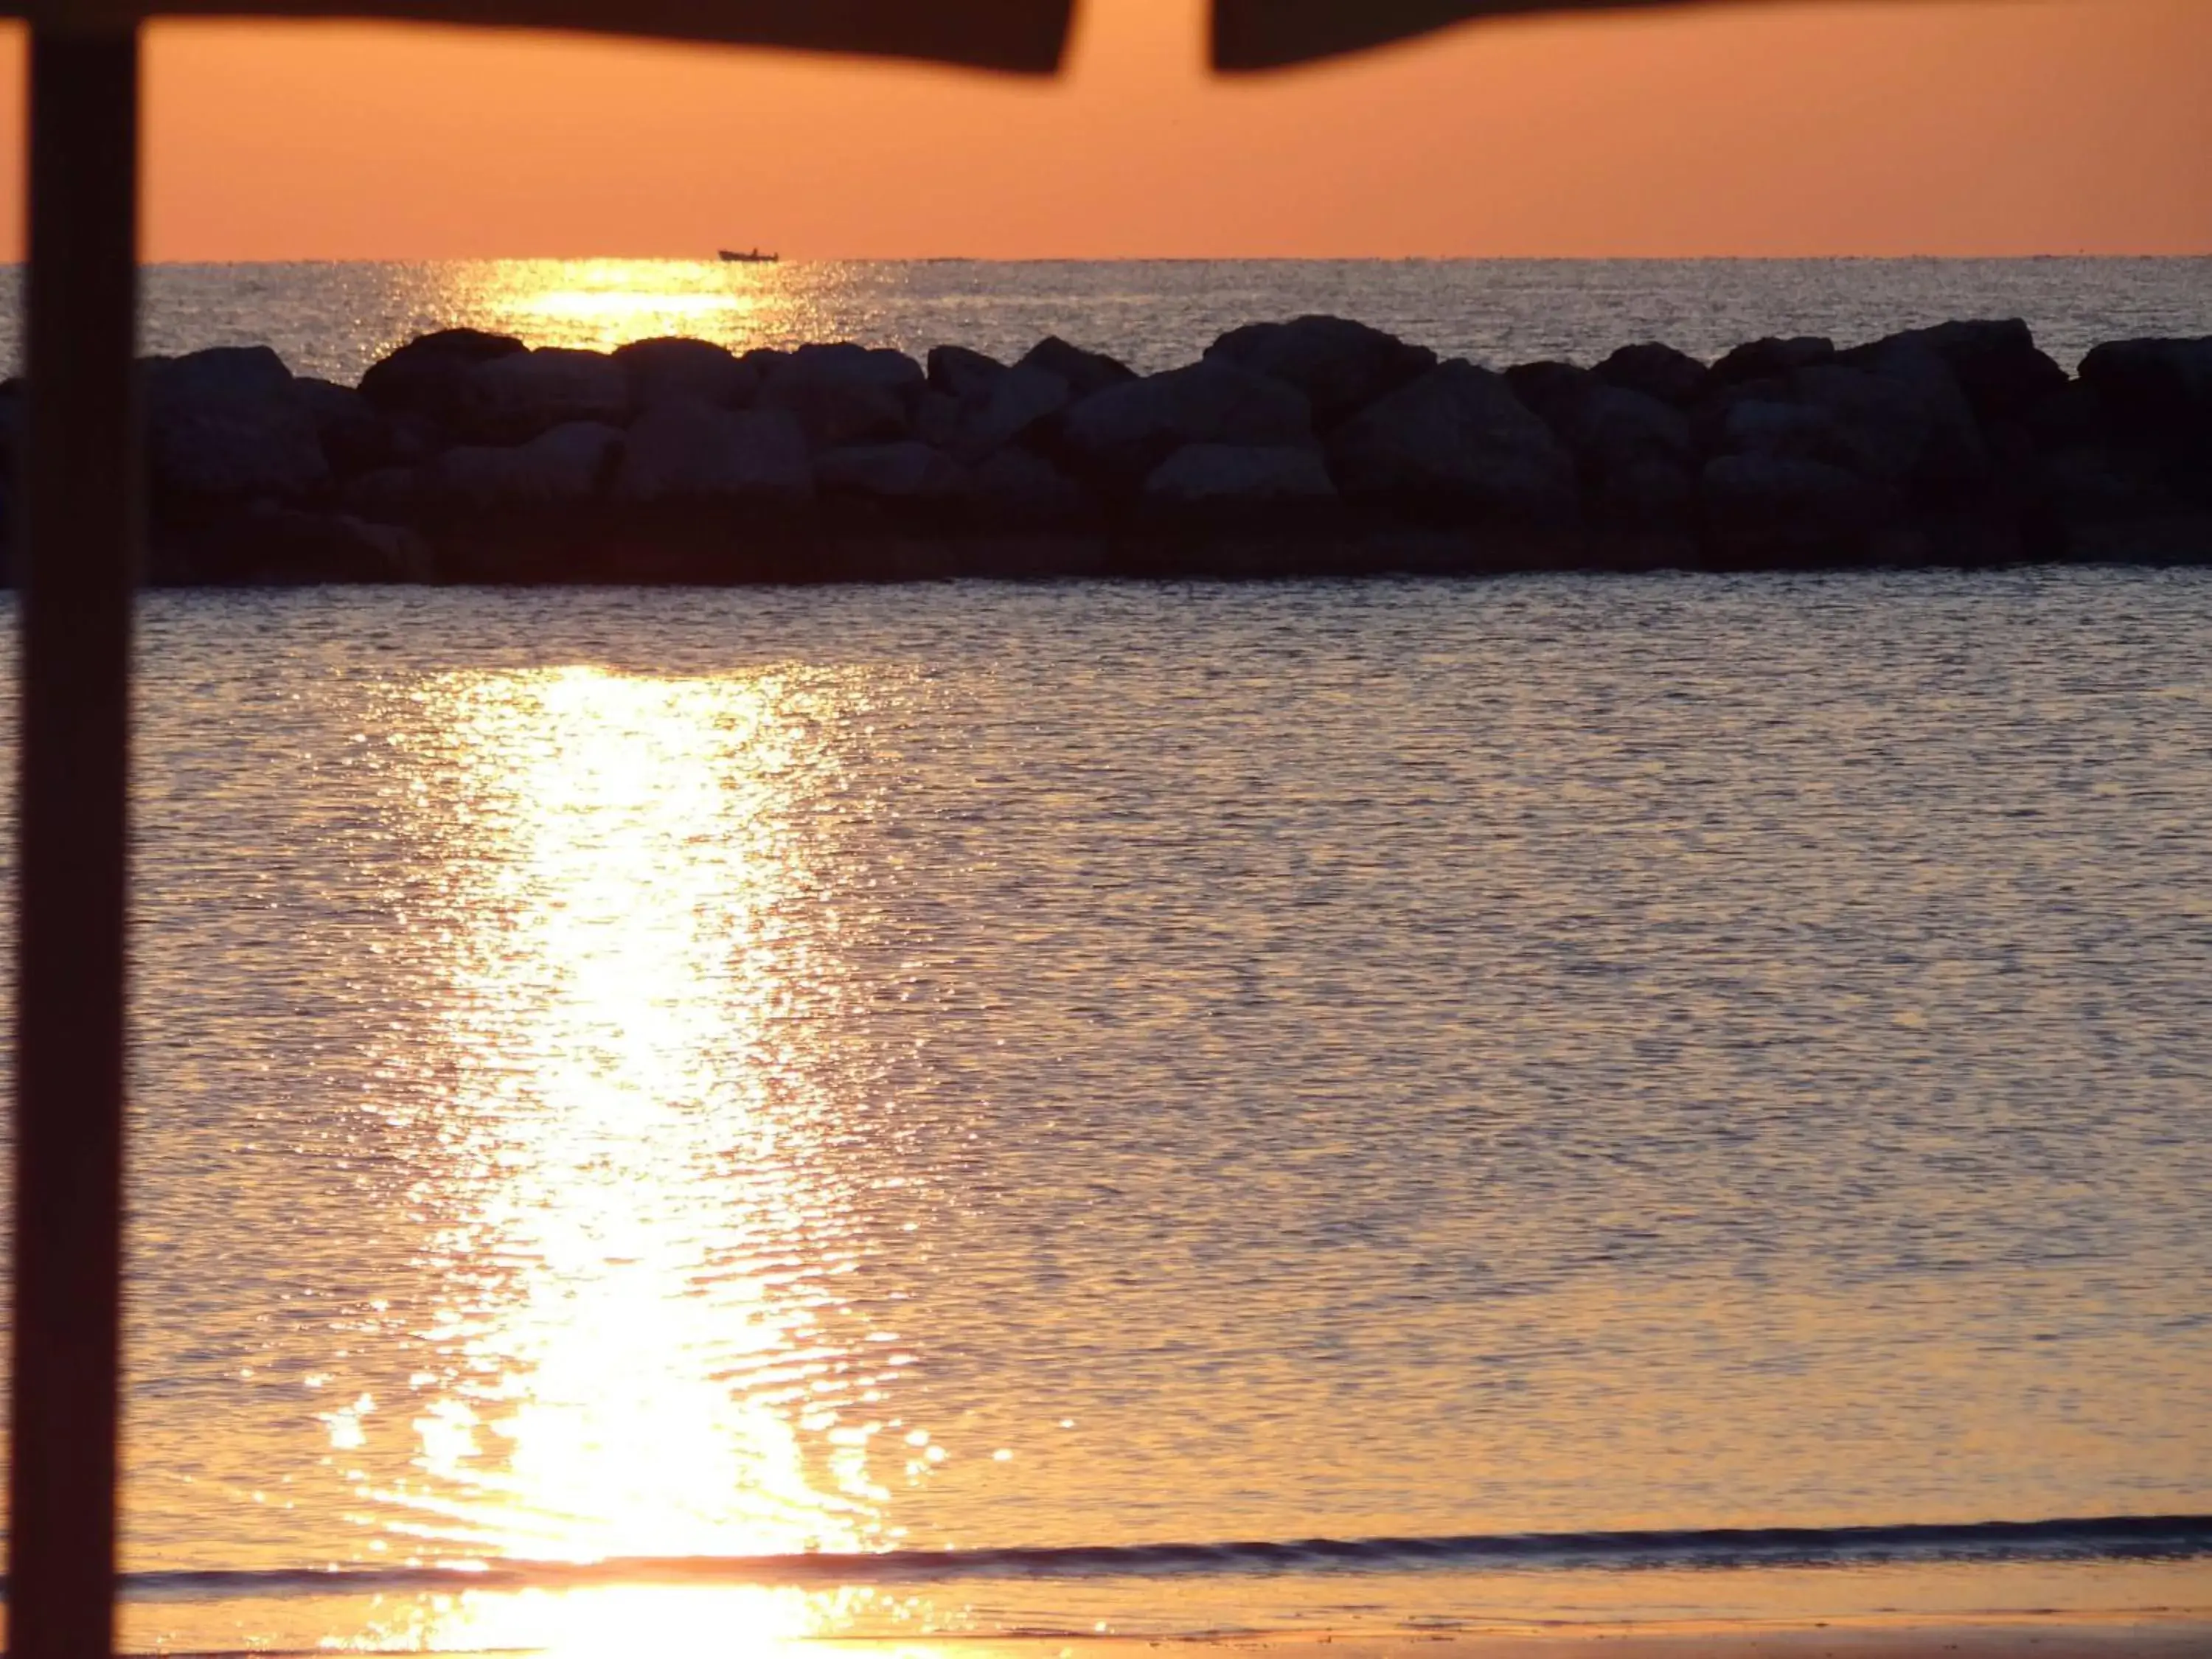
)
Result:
{"points": [[77, 552]]}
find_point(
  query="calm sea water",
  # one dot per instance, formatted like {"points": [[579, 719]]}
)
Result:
{"points": [[661, 1074], [335, 319]]}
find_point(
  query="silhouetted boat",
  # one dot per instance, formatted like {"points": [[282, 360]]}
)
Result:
{"points": [[755, 257]]}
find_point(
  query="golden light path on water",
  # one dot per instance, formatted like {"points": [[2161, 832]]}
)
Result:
{"points": [[994, 1067], [642, 1267], [600, 304], [608, 300]]}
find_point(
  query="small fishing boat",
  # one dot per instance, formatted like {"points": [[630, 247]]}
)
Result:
{"points": [[755, 257]]}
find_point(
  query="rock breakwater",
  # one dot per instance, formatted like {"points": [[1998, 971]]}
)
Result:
{"points": [[1314, 446]]}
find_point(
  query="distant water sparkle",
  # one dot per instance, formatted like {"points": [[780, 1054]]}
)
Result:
{"points": [[333, 320]]}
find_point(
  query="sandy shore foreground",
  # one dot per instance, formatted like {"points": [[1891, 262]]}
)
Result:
{"points": [[2182, 1636]]}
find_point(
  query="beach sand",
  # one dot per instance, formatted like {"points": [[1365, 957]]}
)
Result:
{"points": [[2181, 1636], [2186, 1636]]}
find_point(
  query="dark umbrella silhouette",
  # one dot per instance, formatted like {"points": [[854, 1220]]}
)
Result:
{"points": [[76, 548], [1264, 34]]}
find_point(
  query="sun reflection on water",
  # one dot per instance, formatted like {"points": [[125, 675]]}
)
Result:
{"points": [[609, 1621], [598, 304], [610, 301], [642, 1351]]}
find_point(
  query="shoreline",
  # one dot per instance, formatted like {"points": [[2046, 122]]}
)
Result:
{"points": [[2054, 1636], [2075, 1609], [2024, 1637], [1315, 447], [2017, 1638]]}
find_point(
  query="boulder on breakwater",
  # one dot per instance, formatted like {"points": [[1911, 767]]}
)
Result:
{"points": [[1315, 446]]}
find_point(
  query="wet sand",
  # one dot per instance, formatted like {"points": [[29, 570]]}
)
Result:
{"points": [[2181, 1636], [2136, 1637]]}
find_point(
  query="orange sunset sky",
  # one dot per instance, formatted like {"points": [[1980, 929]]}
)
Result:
{"points": [[1967, 126]]}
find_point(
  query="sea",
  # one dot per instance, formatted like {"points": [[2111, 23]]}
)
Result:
{"points": [[332, 321], [688, 1121]]}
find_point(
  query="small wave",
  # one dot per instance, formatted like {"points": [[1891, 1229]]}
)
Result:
{"points": [[2159, 1537]]}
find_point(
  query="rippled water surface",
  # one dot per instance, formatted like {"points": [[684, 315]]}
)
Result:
{"points": [[335, 319], [688, 1074]]}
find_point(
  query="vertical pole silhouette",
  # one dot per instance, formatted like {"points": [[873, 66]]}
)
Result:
{"points": [[76, 553]]}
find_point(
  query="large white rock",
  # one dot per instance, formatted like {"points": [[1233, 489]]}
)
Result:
{"points": [[683, 450], [229, 423], [389, 494], [1635, 454], [1939, 426], [666, 370], [845, 394], [2157, 387], [1456, 442], [424, 378], [1607, 427], [1020, 488], [1126, 431], [880, 365], [1086, 372], [905, 471], [353, 436], [1341, 366], [1620, 428], [2001, 371], [513, 398], [284, 546], [1657, 370], [1765, 505], [1237, 480], [1787, 431], [330, 404], [1884, 423], [1770, 359], [1645, 494], [962, 374], [564, 467], [1017, 402], [937, 417]]}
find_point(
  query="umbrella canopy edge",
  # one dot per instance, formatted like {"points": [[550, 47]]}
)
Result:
{"points": [[1020, 36], [1253, 36]]}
